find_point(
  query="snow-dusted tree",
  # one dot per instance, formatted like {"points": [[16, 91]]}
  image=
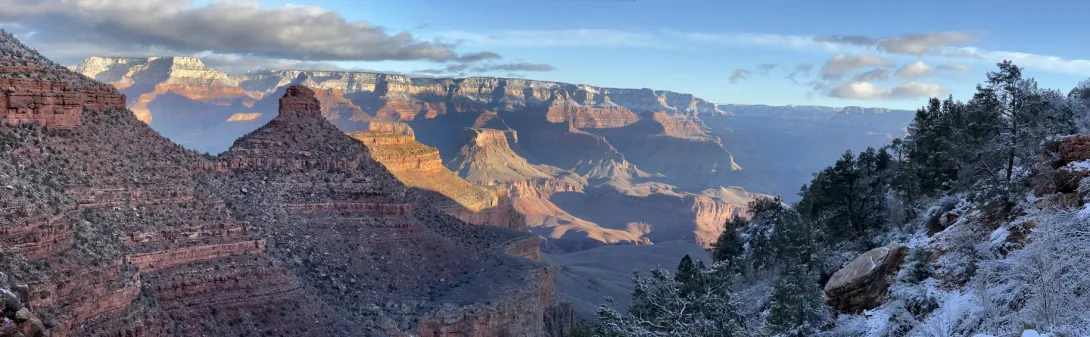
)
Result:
{"points": [[796, 308], [1079, 98], [847, 200], [729, 247], [662, 307], [765, 213]]}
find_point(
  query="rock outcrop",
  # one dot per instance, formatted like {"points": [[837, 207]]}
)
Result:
{"points": [[45, 95], [1075, 148], [862, 283]]}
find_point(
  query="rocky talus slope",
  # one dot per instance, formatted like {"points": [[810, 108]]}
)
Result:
{"points": [[112, 230]]}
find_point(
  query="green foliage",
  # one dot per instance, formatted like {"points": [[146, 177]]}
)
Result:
{"points": [[765, 213], [728, 247], [847, 201], [796, 307]]}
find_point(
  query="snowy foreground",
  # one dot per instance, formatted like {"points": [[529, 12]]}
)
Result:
{"points": [[993, 285]]}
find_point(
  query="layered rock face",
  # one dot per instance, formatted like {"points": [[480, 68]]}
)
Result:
{"points": [[46, 97], [113, 230], [146, 79], [419, 166]]}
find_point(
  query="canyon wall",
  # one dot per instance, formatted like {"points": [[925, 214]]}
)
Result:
{"points": [[420, 166], [113, 230]]}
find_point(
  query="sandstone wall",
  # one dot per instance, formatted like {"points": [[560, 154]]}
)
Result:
{"points": [[51, 103]]}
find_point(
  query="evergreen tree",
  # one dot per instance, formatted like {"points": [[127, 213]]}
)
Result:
{"points": [[847, 200], [728, 247], [660, 307], [690, 276], [796, 308], [764, 215]]}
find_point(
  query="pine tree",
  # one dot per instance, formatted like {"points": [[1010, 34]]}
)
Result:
{"points": [[690, 276], [728, 247], [796, 308], [661, 307]]}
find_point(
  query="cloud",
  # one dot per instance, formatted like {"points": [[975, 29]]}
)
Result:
{"points": [[914, 70], [557, 38], [916, 89], [842, 64], [910, 44], [802, 69], [765, 68], [738, 74], [957, 67], [236, 64], [478, 56], [861, 90], [797, 42], [943, 44], [293, 32], [876, 74]]}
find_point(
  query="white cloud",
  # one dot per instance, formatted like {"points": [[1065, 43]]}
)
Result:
{"points": [[1048, 63], [916, 89], [869, 91], [842, 64], [914, 70], [857, 90]]}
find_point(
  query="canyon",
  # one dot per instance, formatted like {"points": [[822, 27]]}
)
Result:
{"points": [[111, 229], [571, 159]]}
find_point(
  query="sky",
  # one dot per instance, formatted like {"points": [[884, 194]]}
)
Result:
{"points": [[865, 53]]}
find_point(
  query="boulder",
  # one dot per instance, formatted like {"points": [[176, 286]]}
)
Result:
{"points": [[862, 283], [23, 315], [10, 301], [1069, 176], [32, 327]]}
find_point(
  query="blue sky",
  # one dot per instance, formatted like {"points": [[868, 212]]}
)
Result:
{"points": [[704, 68], [695, 46]]}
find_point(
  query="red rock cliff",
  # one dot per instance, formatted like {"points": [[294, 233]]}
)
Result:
{"points": [[48, 100]]}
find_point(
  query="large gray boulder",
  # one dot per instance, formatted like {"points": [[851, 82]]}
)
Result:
{"points": [[862, 283]]}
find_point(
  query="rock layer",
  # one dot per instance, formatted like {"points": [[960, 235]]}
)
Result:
{"points": [[419, 166]]}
